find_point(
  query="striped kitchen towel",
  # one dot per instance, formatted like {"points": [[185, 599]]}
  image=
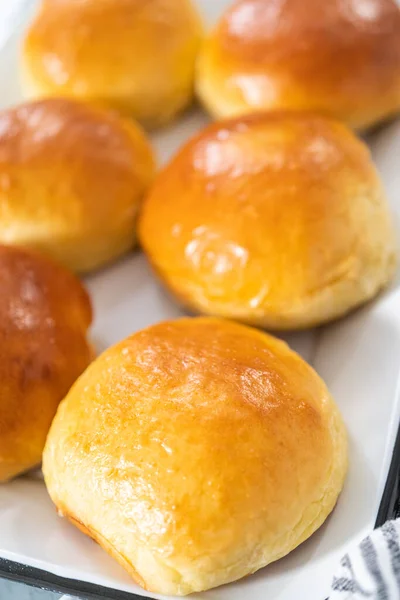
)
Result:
{"points": [[371, 570]]}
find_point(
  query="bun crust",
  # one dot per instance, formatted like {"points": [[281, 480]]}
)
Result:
{"points": [[134, 56], [44, 315], [71, 180], [278, 220], [340, 57], [196, 452]]}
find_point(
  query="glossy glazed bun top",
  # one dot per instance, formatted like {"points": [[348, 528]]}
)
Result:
{"points": [[340, 57], [136, 56], [279, 220]]}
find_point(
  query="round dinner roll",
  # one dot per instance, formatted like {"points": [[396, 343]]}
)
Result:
{"points": [[196, 452], [71, 180], [44, 315], [278, 220], [136, 56], [339, 57]]}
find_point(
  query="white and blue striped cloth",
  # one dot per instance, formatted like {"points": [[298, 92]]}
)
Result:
{"points": [[371, 570]]}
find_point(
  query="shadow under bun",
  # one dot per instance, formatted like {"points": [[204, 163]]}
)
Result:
{"points": [[44, 316], [196, 452], [71, 180], [278, 220], [136, 56], [339, 57]]}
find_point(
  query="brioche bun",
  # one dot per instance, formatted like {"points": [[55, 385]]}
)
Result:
{"points": [[196, 452], [278, 220], [338, 57], [44, 316], [135, 56], [71, 180]]}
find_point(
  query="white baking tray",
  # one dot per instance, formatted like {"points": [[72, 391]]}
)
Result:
{"points": [[358, 357]]}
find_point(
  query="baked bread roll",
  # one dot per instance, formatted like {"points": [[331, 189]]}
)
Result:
{"points": [[44, 315], [278, 220], [71, 180], [339, 57], [135, 56], [196, 452]]}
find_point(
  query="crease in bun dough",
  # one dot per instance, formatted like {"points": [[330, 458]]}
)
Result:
{"points": [[44, 316], [339, 57], [278, 220], [135, 56], [196, 452], [71, 180]]}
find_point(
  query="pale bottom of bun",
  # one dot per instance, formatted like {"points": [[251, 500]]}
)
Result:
{"points": [[230, 105], [20, 449], [10, 469], [152, 111], [107, 546], [322, 305], [81, 253]]}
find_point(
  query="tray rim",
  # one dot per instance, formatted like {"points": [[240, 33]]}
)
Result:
{"points": [[47, 581], [388, 507]]}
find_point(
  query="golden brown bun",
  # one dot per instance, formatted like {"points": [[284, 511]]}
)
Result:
{"points": [[196, 452], [340, 57], [44, 315], [278, 220], [71, 179], [133, 55]]}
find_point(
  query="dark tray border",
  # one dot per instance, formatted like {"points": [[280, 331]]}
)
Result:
{"points": [[37, 578], [389, 508]]}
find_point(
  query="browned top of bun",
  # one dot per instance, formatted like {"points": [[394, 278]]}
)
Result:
{"points": [[338, 56]]}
